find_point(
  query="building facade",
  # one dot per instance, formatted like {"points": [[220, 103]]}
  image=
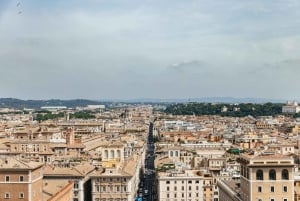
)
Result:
{"points": [[20, 180], [267, 177], [185, 185]]}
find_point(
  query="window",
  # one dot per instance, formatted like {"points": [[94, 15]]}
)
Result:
{"points": [[103, 188], [259, 175], [259, 199], [21, 178], [182, 188], [259, 189], [167, 182], [106, 154], [285, 174], [285, 189], [272, 199], [112, 153], [285, 199], [189, 182], [272, 174], [175, 188], [6, 196], [182, 195], [190, 188], [168, 188], [272, 189], [197, 182], [7, 178], [21, 195]]}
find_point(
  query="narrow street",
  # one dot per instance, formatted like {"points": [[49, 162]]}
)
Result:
{"points": [[147, 191]]}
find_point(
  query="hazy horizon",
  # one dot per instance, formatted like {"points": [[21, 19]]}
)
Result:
{"points": [[129, 49], [201, 99]]}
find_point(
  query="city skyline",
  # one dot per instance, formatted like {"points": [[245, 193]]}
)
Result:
{"points": [[150, 49]]}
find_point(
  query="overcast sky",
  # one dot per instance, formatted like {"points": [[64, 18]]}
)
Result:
{"points": [[124, 49]]}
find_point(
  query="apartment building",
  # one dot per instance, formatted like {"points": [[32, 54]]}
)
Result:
{"points": [[20, 180], [210, 190], [267, 176], [229, 190], [180, 185], [112, 152], [117, 182], [39, 151], [57, 190], [78, 175], [284, 149]]}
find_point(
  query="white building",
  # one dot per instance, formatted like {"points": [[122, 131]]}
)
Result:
{"points": [[291, 107], [54, 108], [95, 107], [180, 185]]}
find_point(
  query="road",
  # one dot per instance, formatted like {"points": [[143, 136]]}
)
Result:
{"points": [[147, 185]]}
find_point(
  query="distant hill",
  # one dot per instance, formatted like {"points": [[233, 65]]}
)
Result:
{"points": [[36, 104], [205, 100]]}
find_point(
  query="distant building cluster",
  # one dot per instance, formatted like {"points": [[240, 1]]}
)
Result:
{"points": [[111, 157]]}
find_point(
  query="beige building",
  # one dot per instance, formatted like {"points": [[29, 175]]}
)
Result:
{"points": [[57, 190], [78, 175], [284, 149], [39, 151], [267, 177], [229, 190], [297, 187], [20, 180], [210, 190], [181, 185], [112, 152], [117, 181]]}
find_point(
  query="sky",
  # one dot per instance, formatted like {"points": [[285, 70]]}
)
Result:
{"points": [[166, 49]]}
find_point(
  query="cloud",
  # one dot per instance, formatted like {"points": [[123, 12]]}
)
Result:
{"points": [[126, 48], [189, 66], [292, 62]]}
